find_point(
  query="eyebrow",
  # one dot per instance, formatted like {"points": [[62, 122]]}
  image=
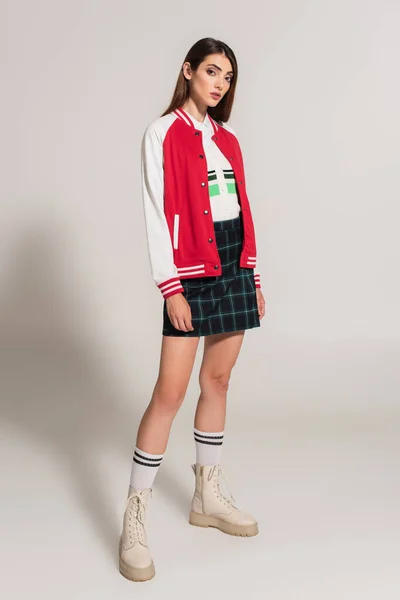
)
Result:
{"points": [[219, 68]]}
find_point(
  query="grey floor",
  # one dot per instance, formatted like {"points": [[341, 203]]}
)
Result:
{"points": [[325, 491]]}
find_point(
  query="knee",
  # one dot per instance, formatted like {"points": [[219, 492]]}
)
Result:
{"points": [[217, 382], [167, 400]]}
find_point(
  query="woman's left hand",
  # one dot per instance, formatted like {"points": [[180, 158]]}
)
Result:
{"points": [[260, 303]]}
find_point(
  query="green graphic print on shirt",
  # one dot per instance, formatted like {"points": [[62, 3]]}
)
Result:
{"points": [[229, 178]]}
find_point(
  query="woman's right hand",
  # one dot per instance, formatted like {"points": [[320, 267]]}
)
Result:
{"points": [[179, 312]]}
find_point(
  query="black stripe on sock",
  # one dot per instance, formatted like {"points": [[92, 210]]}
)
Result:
{"points": [[146, 457], [209, 437], [145, 464], [210, 443]]}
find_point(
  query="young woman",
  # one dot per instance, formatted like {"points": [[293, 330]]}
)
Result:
{"points": [[202, 252]]}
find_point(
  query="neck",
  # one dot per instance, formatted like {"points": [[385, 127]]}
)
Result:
{"points": [[197, 111]]}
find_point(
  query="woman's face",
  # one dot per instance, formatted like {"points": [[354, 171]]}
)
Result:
{"points": [[211, 81]]}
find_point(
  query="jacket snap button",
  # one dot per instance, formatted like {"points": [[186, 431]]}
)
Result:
{"points": [[196, 133], [202, 184], [210, 240], [231, 158], [206, 212], [216, 267], [240, 182], [201, 155]]}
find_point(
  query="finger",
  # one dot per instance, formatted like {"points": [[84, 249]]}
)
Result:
{"points": [[182, 325], [188, 323], [188, 318], [175, 322]]}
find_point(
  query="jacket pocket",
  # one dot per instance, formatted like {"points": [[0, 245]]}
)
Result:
{"points": [[176, 231]]}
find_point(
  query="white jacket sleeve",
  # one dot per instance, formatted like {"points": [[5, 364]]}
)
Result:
{"points": [[257, 278], [163, 269]]}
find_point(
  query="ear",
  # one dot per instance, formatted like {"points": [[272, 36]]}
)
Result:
{"points": [[186, 70]]}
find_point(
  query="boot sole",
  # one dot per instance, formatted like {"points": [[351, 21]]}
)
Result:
{"points": [[134, 573], [199, 520]]}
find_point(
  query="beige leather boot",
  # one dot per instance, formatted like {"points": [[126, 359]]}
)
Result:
{"points": [[135, 562], [211, 509]]}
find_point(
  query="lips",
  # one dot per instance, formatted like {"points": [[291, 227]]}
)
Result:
{"points": [[215, 95]]}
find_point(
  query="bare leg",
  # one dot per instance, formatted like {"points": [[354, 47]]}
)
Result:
{"points": [[210, 508], [220, 354], [176, 365]]}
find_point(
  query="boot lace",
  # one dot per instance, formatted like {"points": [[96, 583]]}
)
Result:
{"points": [[215, 472], [136, 505]]}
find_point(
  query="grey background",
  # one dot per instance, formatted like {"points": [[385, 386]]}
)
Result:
{"points": [[313, 418]]}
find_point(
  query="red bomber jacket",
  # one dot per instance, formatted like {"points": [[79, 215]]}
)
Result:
{"points": [[179, 223]]}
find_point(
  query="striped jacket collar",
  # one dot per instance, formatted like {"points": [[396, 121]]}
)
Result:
{"points": [[188, 119]]}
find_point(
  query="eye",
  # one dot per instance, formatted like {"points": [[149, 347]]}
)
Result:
{"points": [[212, 71], [229, 79]]}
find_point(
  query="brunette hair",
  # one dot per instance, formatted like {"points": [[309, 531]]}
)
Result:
{"points": [[196, 55]]}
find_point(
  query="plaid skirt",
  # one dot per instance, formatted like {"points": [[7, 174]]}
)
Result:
{"points": [[226, 302]]}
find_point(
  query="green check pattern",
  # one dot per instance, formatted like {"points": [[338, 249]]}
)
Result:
{"points": [[226, 302]]}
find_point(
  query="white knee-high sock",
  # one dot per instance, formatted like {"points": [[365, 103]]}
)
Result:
{"points": [[208, 446], [144, 469]]}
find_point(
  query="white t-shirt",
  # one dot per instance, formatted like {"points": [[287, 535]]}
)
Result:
{"points": [[221, 179]]}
